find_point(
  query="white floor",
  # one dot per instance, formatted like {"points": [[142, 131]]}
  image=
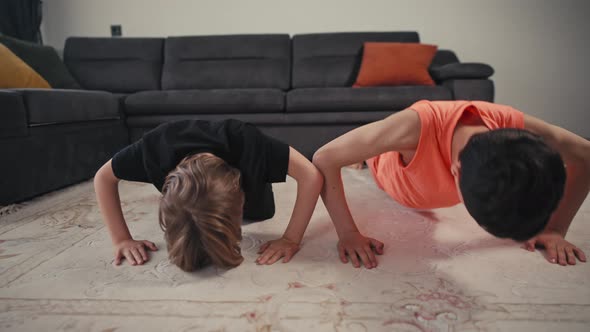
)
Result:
{"points": [[440, 272]]}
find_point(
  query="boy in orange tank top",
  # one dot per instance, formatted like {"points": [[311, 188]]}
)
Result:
{"points": [[518, 176]]}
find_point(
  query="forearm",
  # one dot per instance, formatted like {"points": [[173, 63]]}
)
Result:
{"points": [[107, 195], [308, 192], [335, 201], [576, 189]]}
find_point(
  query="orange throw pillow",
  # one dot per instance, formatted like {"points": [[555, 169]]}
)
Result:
{"points": [[395, 64], [15, 73]]}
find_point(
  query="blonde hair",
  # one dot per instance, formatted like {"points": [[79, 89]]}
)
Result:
{"points": [[200, 213]]}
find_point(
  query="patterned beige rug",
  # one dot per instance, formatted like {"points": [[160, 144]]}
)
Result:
{"points": [[440, 272]]}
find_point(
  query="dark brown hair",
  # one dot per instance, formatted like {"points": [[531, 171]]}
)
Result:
{"points": [[511, 182]]}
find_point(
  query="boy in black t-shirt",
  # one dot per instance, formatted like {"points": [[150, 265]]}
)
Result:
{"points": [[211, 174]]}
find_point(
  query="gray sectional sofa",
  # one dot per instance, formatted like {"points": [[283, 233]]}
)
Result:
{"points": [[297, 89]]}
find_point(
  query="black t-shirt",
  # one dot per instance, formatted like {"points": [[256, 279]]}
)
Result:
{"points": [[260, 158]]}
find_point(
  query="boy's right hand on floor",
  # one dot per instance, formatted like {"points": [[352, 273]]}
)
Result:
{"points": [[272, 251], [359, 248], [134, 251]]}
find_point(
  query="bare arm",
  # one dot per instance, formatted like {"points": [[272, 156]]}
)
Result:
{"points": [[309, 183], [575, 152], [107, 194], [398, 132], [106, 186]]}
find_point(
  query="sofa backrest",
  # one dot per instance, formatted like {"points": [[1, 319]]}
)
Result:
{"points": [[115, 64], [127, 65], [331, 59], [229, 61]]}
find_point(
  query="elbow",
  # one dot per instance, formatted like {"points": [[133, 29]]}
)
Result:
{"points": [[313, 180], [317, 180], [321, 159], [582, 160], [99, 181], [98, 177], [104, 176]]}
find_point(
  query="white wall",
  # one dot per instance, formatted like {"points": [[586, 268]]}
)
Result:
{"points": [[539, 48]]}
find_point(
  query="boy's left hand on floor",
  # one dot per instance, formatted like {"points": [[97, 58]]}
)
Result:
{"points": [[274, 250], [559, 251]]}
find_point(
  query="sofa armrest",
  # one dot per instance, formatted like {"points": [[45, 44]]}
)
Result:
{"points": [[455, 71], [13, 114]]}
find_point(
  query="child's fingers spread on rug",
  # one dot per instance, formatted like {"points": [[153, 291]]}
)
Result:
{"points": [[378, 245], [354, 258], [266, 255], [129, 256], [136, 255], [529, 245], [364, 255], [551, 253], [263, 247], [580, 254], [571, 257], [118, 257], [342, 254], [561, 258], [372, 259], [275, 257], [143, 253], [150, 245]]}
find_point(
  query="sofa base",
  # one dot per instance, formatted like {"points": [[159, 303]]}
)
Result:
{"points": [[304, 138], [52, 157], [306, 132], [307, 139]]}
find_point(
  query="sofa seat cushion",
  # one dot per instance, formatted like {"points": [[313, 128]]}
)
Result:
{"points": [[56, 106], [361, 99], [206, 101]]}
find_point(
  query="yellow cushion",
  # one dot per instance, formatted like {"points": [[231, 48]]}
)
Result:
{"points": [[15, 73]]}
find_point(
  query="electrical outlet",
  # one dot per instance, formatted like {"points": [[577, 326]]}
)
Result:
{"points": [[116, 30]]}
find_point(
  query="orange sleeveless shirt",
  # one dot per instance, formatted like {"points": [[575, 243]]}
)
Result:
{"points": [[426, 182]]}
